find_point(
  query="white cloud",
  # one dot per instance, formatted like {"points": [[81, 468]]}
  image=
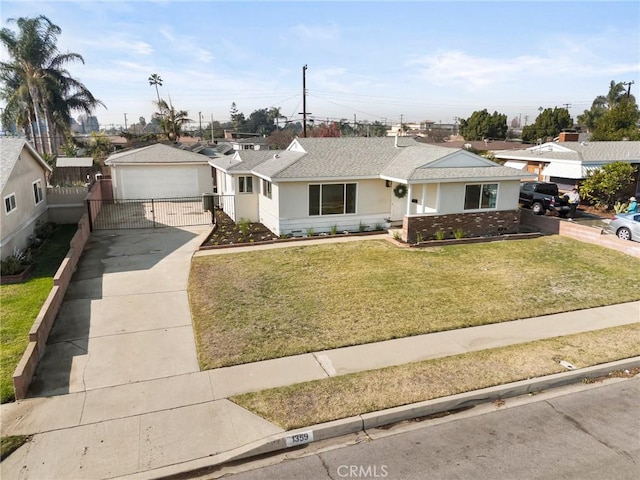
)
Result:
{"points": [[456, 68], [318, 34], [186, 45]]}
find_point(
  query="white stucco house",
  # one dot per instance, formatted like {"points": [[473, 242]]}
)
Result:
{"points": [[23, 185], [159, 171], [347, 183], [569, 162]]}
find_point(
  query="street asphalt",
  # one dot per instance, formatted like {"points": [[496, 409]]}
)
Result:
{"points": [[118, 392]]}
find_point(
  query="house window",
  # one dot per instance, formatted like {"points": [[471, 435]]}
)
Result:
{"points": [[37, 191], [480, 195], [266, 188], [10, 203], [332, 199], [245, 184]]}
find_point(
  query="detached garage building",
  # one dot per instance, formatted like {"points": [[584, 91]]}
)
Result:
{"points": [[159, 171]]}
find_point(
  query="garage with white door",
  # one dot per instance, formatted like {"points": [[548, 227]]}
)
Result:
{"points": [[159, 171]]}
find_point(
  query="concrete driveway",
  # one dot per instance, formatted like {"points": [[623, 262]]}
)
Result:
{"points": [[125, 317]]}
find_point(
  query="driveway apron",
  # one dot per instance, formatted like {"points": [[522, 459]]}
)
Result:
{"points": [[125, 317]]}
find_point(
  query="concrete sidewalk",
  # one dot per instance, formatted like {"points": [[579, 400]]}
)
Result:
{"points": [[119, 392], [140, 427]]}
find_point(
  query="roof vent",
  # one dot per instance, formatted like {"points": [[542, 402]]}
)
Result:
{"points": [[275, 155]]}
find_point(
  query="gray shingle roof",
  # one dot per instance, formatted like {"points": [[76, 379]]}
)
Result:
{"points": [[157, 153], [580, 151], [360, 157], [10, 149], [243, 161], [467, 173]]}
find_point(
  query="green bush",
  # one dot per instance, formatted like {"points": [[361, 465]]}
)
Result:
{"points": [[244, 224]]}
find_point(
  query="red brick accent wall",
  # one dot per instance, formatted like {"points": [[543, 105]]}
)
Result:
{"points": [[472, 224]]}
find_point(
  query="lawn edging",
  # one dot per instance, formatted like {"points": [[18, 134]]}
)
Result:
{"points": [[360, 423], [285, 240], [467, 240]]}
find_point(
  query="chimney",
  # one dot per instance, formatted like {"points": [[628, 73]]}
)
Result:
{"points": [[568, 137]]}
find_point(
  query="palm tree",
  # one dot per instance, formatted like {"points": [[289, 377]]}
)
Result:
{"points": [[38, 81], [155, 79], [172, 120], [616, 94], [275, 115]]}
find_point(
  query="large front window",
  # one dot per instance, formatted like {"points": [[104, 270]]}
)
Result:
{"points": [[480, 195], [332, 199]]}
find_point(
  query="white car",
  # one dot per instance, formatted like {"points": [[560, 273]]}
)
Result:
{"points": [[626, 226]]}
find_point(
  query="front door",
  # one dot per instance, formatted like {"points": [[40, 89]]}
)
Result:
{"points": [[398, 206]]}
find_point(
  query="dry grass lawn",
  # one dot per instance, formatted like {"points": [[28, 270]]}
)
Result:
{"points": [[272, 303], [333, 398]]}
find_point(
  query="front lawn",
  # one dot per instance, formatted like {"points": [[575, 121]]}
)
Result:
{"points": [[21, 303], [272, 303]]}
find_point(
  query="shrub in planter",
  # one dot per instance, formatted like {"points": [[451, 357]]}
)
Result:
{"points": [[14, 264]]}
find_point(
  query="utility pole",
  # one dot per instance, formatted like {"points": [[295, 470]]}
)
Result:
{"points": [[355, 125], [211, 129], [401, 129], [200, 115], [125, 122], [304, 101], [629, 88], [567, 106]]}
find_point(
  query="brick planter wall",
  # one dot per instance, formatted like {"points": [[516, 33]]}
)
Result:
{"points": [[472, 224], [43, 323]]}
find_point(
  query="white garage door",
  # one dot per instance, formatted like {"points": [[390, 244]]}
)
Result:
{"points": [[158, 182]]}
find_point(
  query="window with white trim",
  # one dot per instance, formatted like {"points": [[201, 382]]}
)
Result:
{"points": [[38, 196], [245, 184], [332, 198], [10, 203], [480, 196], [266, 188]]}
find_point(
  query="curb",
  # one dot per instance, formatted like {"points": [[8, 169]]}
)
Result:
{"points": [[359, 423]]}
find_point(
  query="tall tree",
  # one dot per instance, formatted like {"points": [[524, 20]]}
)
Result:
{"points": [[618, 123], [172, 120], [276, 115], [602, 103], [156, 81], [38, 90], [548, 125], [481, 125]]}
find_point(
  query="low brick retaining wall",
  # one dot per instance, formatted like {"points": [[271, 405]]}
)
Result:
{"points": [[472, 224], [584, 233], [43, 323]]}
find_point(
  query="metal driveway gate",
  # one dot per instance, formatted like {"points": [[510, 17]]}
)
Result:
{"points": [[147, 213]]}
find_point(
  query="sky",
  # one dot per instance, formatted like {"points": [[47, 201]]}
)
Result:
{"points": [[375, 61]]}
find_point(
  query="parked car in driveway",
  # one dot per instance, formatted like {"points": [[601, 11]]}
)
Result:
{"points": [[543, 196], [626, 226]]}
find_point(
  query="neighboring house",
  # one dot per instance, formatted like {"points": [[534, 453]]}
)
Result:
{"points": [[23, 181], [568, 162], [350, 183], [159, 171]]}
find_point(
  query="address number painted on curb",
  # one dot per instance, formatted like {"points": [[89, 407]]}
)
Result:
{"points": [[299, 438]]}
